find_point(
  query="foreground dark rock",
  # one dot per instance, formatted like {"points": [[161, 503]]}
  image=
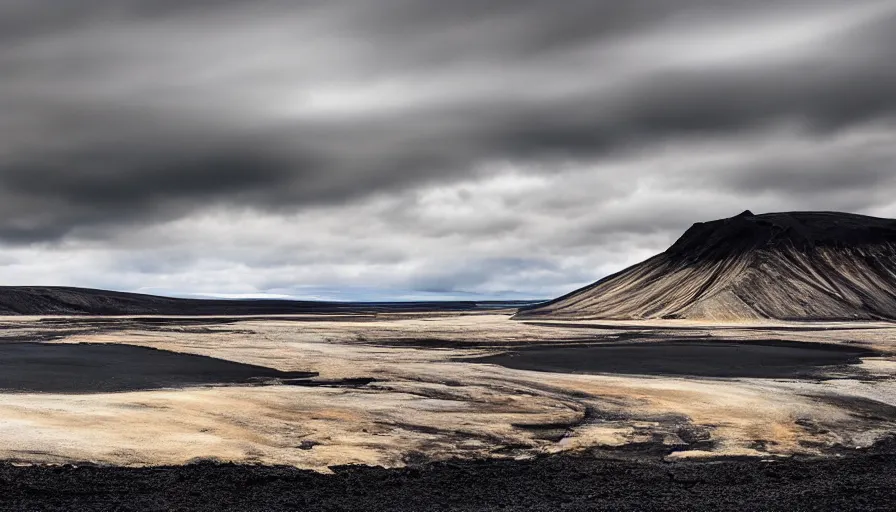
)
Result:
{"points": [[784, 266], [862, 482]]}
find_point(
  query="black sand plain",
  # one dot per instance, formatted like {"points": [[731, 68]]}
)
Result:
{"points": [[730, 359], [105, 368], [849, 479]]}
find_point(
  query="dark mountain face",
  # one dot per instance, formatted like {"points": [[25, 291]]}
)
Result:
{"points": [[798, 230], [793, 266]]}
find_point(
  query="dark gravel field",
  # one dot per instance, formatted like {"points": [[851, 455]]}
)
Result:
{"points": [[106, 368], [856, 482], [758, 359]]}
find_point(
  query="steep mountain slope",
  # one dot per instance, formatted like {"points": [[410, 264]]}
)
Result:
{"points": [[787, 266]]}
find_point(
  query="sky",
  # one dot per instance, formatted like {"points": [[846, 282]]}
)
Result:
{"points": [[407, 149]]}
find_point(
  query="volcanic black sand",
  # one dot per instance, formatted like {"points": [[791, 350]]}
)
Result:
{"points": [[858, 482], [762, 359], [101, 368]]}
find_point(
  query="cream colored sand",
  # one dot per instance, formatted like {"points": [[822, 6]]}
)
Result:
{"points": [[426, 404]]}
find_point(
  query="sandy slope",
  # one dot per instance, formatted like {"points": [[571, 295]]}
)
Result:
{"points": [[788, 266]]}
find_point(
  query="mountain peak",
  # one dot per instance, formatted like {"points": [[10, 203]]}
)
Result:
{"points": [[792, 265], [800, 230]]}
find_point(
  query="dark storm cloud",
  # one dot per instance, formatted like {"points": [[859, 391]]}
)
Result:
{"points": [[139, 111]]}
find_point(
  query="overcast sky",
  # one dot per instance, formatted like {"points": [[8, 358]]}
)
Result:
{"points": [[361, 149]]}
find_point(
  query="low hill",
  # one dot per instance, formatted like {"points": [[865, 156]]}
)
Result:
{"points": [[50, 300], [784, 266]]}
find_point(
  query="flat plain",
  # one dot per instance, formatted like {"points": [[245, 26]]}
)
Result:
{"points": [[394, 390]]}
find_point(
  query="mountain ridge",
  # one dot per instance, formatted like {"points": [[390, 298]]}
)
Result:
{"points": [[64, 300], [779, 266]]}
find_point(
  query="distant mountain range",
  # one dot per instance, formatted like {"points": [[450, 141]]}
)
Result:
{"points": [[785, 266], [51, 300]]}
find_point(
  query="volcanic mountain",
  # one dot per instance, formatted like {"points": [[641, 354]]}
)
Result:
{"points": [[785, 266]]}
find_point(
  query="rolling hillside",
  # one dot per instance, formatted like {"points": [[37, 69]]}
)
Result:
{"points": [[50, 300]]}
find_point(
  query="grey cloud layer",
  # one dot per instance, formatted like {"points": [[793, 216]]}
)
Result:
{"points": [[129, 114]]}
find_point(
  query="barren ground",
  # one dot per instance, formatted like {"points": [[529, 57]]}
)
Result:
{"points": [[394, 390]]}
